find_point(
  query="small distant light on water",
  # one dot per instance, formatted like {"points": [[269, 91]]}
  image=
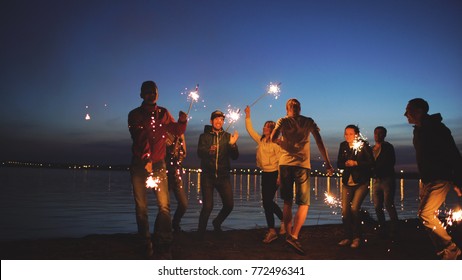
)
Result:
{"points": [[87, 117]]}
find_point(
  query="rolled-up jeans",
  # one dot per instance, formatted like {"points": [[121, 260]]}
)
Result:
{"points": [[432, 195], [163, 224]]}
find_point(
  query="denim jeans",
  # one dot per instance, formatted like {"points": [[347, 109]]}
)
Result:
{"points": [[352, 198], [269, 188], [162, 225], [299, 176], [432, 195], [175, 185], [384, 195]]}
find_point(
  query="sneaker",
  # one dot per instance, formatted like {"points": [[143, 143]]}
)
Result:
{"points": [[270, 237], [355, 243], [282, 230], [450, 253], [295, 244], [344, 242]]}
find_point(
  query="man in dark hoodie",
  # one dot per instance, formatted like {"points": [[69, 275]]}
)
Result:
{"points": [[215, 149], [440, 167]]}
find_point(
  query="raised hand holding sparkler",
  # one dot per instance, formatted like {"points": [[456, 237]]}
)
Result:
{"points": [[273, 89]]}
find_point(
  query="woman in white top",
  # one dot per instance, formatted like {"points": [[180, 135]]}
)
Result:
{"points": [[268, 154]]}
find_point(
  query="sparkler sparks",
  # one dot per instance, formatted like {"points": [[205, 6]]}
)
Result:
{"points": [[233, 116], [152, 182], [193, 96], [452, 217], [273, 89], [332, 201], [358, 143]]}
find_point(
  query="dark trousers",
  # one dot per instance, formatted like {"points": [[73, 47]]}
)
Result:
{"points": [[223, 187], [175, 185], [269, 188], [384, 197]]}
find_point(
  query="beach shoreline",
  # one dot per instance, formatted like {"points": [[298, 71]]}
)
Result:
{"points": [[319, 242]]}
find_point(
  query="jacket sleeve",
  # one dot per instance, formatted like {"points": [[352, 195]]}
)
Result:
{"points": [[248, 126], [455, 159], [176, 128], [139, 135], [233, 151], [341, 159], [366, 160]]}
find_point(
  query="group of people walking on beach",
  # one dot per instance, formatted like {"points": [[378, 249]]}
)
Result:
{"points": [[283, 155]]}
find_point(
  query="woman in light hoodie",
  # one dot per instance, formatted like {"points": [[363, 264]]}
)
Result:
{"points": [[268, 154]]}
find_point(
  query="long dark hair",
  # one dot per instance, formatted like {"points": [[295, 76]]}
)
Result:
{"points": [[271, 124]]}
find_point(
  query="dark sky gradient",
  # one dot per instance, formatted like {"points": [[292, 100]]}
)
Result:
{"points": [[347, 62]]}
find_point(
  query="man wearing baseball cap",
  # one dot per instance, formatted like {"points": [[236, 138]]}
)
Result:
{"points": [[215, 149]]}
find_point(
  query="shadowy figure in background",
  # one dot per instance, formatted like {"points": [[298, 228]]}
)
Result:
{"points": [[176, 153], [148, 125], [384, 183], [268, 154], [215, 149], [295, 165], [440, 168], [356, 160]]}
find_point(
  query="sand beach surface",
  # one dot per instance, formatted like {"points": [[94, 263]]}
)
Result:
{"points": [[319, 243]]}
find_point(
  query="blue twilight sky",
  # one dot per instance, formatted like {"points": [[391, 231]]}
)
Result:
{"points": [[348, 62]]}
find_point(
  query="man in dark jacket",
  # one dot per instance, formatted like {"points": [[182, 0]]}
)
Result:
{"points": [[440, 167], [215, 149], [148, 126], [384, 181]]}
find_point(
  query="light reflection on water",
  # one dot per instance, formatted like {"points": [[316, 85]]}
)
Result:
{"points": [[47, 203]]}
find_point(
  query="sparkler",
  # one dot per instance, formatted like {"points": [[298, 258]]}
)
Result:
{"points": [[152, 182], [273, 89], [233, 116], [193, 96], [358, 143], [452, 217], [332, 201]]}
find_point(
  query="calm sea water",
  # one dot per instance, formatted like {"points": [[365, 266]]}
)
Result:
{"points": [[49, 203]]}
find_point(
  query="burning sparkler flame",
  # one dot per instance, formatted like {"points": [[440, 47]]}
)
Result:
{"points": [[193, 96], [453, 216], [358, 143], [233, 116], [273, 89], [332, 201], [152, 183]]}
